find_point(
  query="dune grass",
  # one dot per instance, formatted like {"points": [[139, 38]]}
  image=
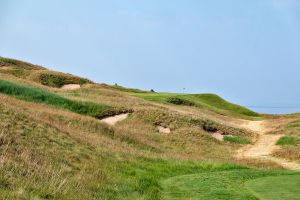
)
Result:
{"points": [[276, 188], [31, 94]]}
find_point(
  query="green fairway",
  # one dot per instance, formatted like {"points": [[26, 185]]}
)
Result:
{"points": [[210, 101], [220, 185], [276, 188]]}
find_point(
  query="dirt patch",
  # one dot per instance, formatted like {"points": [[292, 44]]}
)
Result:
{"points": [[70, 87], [164, 130], [264, 146], [114, 119], [218, 136]]}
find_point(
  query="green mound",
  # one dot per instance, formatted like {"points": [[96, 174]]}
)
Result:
{"points": [[219, 185], [210, 101], [276, 188], [40, 96]]}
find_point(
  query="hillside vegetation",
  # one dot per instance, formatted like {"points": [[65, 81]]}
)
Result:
{"points": [[208, 101], [53, 144]]}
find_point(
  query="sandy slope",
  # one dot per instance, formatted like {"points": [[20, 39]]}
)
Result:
{"points": [[115, 119], [70, 87], [264, 146]]}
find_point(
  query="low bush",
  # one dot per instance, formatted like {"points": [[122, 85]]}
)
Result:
{"points": [[58, 79], [180, 101]]}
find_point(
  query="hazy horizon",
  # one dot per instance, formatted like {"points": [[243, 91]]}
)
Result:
{"points": [[246, 52]]}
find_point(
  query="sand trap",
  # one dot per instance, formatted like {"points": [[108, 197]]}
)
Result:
{"points": [[164, 130], [218, 136], [70, 87], [115, 119]]}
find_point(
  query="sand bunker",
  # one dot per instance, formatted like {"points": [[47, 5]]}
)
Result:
{"points": [[218, 136], [164, 130], [114, 119], [70, 87]]}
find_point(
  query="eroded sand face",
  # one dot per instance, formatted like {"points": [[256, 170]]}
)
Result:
{"points": [[114, 119], [164, 130], [70, 87]]}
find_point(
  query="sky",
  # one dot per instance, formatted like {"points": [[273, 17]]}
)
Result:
{"points": [[248, 52]]}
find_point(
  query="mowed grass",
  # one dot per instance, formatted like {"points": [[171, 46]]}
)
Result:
{"points": [[276, 188], [31, 94], [210, 101], [223, 185]]}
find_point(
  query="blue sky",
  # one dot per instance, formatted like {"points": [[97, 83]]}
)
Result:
{"points": [[245, 51]]}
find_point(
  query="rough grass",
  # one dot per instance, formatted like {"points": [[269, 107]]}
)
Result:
{"points": [[293, 125], [56, 79], [287, 140], [18, 64], [237, 139], [276, 188], [40, 96], [48, 152]]}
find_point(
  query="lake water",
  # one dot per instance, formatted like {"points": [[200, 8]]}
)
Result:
{"points": [[275, 109]]}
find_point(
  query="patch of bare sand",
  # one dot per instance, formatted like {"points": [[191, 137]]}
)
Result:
{"points": [[70, 87], [114, 119], [218, 136], [164, 130]]}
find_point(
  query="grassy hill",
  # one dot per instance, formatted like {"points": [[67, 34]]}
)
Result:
{"points": [[53, 144]]}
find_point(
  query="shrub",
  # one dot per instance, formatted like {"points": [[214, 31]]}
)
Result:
{"points": [[287, 140], [180, 101], [209, 126], [57, 80], [52, 80]]}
